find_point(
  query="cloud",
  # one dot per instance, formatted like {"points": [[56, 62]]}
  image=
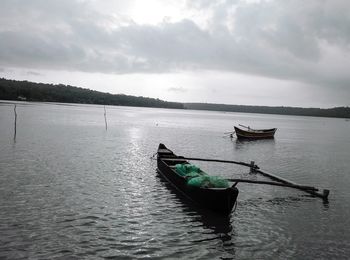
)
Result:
{"points": [[305, 41], [34, 73], [177, 89]]}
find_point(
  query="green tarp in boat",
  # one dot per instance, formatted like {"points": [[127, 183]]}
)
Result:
{"points": [[197, 178]]}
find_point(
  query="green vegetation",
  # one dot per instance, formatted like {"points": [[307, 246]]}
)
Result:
{"points": [[30, 91], [342, 112]]}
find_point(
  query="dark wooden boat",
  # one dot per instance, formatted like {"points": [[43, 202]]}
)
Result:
{"points": [[249, 133], [220, 200]]}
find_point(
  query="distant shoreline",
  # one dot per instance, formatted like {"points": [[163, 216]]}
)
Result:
{"points": [[13, 90], [336, 112]]}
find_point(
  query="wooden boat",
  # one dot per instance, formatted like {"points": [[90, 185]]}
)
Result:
{"points": [[250, 133], [220, 200]]}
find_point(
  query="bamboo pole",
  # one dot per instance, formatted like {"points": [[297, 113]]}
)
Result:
{"points": [[105, 116], [297, 186], [244, 126], [323, 195], [15, 128], [216, 160]]}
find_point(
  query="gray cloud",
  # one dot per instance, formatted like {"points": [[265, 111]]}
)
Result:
{"points": [[34, 73], [306, 41], [177, 89]]}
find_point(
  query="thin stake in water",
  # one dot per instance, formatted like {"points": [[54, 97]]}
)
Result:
{"points": [[105, 117], [15, 133]]}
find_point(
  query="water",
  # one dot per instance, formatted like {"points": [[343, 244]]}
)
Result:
{"points": [[69, 189]]}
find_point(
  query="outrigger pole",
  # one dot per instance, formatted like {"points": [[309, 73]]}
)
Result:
{"points": [[324, 194], [279, 181], [217, 160]]}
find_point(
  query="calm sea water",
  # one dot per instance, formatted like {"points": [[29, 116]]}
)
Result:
{"points": [[69, 189]]}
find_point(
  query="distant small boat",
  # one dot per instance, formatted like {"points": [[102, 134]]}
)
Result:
{"points": [[249, 133]]}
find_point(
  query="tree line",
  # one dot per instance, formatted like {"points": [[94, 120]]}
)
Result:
{"points": [[341, 112], [30, 91]]}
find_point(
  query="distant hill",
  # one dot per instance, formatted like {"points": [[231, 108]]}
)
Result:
{"points": [[342, 112], [30, 91]]}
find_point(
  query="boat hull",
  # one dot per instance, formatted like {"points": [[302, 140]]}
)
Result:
{"points": [[220, 200], [255, 134]]}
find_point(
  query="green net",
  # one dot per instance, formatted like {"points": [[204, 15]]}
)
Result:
{"points": [[208, 182], [197, 178], [185, 169]]}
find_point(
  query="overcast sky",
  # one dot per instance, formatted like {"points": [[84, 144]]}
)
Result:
{"points": [[283, 52]]}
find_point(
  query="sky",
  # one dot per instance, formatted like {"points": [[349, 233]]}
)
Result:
{"points": [[244, 52]]}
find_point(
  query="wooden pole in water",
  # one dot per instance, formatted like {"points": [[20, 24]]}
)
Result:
{"points": [[323, 195], [105, 117], [15, 133], [252, 165], [244, 126], [296, 186], [215, 160]]}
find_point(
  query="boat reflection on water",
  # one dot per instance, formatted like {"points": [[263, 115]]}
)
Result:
{"points": [[218, 224], [266, 145], [214, 226]]}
